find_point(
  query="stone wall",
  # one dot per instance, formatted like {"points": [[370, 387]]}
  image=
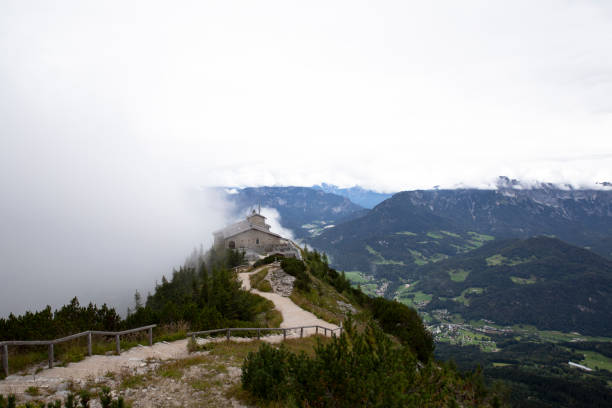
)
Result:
{"points": [[253, 239]]}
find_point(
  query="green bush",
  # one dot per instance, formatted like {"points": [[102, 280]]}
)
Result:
{"points": [[10, 402], [268, 260], [359, 369], [265, 373], [297, 268]]}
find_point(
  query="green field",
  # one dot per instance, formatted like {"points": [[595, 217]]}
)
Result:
{"points": [[369, 289], [458, 275], [408, 233], [596, 361], [523, 281], [379, 259], [480, 237], [419, 259], [435, 235], [495, 260], [462, 299], [408, 297], [356, 277]]}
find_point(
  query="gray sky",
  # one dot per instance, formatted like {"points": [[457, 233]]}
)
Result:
{"points": [[111, 112]]}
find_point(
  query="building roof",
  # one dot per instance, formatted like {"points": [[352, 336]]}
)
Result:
{"points": [[240, 227]]}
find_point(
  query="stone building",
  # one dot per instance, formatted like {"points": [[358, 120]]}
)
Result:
{"points": [[249, 235]]}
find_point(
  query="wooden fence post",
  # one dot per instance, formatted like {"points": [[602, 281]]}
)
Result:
{"points": [[228, 334], [301, 332], [5, 359], [118, 344], [51, 356], [89, 344], [151, 336], [258, 334], [284, 334], [325, 331], [317, 330]]}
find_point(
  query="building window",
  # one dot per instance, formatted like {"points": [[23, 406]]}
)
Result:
{"points": [[232, 245], [257, 241]]}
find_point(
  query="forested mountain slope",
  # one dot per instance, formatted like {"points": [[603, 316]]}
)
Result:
{"points": [[413, 228], [540, 281]]}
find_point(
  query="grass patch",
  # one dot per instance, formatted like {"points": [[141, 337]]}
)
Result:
{"points": [[369, 289], [410, 298], [522, 281], [133, 381], [32, 391], [435, 235], [420, 297], [407, 233], [259, 282], [480, 237], [451, 234], [171, 372], [419, 259], [321, 300], [274, 318], [497, 259], [264, 286], [463, 299], [379, 259], [356, 277], [437, 257], [458, 275], [596, 361]]}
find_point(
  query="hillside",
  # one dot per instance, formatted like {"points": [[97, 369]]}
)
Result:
{"points": [[303, 210], [384, 352], [413, 228], [540, 281]]}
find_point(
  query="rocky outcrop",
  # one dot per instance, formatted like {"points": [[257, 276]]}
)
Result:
{"points": [[281, 281]]}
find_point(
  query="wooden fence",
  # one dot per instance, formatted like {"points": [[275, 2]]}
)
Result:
{"points": [[228, 331], [4, 344]]}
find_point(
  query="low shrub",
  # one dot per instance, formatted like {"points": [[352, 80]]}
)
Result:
{"points": [[297, 268], [268, 260], [266, 373], [358, 369]]}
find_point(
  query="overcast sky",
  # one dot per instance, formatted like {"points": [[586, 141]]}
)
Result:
{"points": [[112, 114]]}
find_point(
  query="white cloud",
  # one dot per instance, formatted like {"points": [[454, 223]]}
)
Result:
{"points": [[109, 107], [273, 219]]}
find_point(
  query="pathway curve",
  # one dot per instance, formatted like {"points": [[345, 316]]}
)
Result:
{"points": [[293, 315]]}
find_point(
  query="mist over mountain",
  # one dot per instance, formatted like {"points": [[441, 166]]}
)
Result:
{"points": [[303, 210]]}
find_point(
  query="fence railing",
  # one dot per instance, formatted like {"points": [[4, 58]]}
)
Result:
{"points": [[228, 331], [51, 343]]}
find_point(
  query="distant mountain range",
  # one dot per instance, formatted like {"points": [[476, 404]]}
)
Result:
{"points": [[359, 195], [539, 281], [416, 227]]}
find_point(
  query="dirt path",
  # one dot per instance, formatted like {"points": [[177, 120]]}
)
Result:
{"points": [[293, 315]]}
